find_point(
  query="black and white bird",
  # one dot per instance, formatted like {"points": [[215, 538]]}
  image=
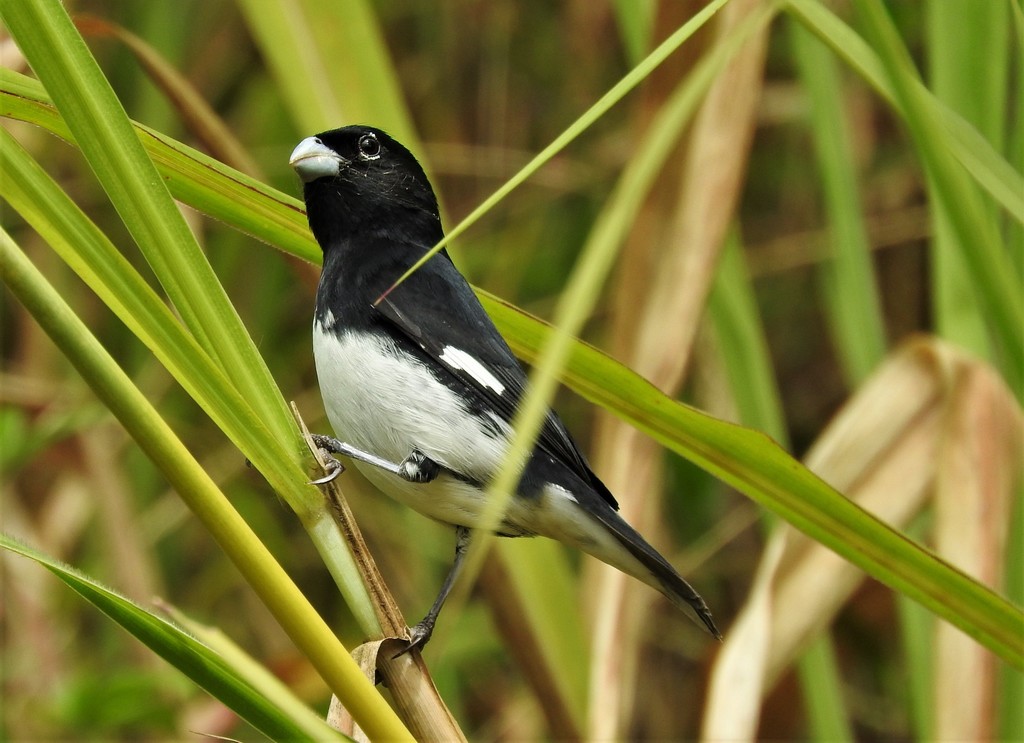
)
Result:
{"points": [[420, 387]]}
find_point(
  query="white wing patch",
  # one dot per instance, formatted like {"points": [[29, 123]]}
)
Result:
{"points": [[561, 492], [459, 359]]}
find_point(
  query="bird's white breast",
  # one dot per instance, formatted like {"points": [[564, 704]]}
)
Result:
{"points": [[378, 400]]}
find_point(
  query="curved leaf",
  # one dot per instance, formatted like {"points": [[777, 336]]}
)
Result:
{"points": [[290, 721]]}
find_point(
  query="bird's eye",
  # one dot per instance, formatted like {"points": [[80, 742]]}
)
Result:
{"points": [[369, 147]]}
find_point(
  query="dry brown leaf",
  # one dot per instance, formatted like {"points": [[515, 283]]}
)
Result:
{"points": [[931, 419], [974, 484], [735, 693]]}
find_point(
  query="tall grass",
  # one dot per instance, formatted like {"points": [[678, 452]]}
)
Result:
{"points": [[755, 171]]}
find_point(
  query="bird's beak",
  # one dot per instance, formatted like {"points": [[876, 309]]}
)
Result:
{"points": [[313, 159]]}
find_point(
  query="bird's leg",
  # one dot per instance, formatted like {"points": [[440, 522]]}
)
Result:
{"points": [[330, 446], [417, 467], [419, 634]]}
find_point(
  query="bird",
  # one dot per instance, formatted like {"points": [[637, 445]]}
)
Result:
{"points": [[419, 386]]}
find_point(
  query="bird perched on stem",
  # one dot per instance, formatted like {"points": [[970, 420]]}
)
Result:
{"points": [[420, 387]]}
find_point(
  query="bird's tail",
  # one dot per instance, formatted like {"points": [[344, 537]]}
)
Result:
{"points": [[659, 573]]}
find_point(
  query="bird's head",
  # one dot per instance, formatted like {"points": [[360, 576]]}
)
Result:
{"points": [[359, 181]]}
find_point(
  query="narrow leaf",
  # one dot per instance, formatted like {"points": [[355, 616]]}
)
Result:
{"points": [[205, 667]]}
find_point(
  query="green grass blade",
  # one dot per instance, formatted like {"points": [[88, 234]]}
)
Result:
{"points": [[331, 64], [299, 620], [101, 129], [850, 290], [821, 683], [249, 206], [759, 468], [733, 310], [995, 285], [968, 69], [917, 634], [991, 171], [636, 21], [596, 260], [208, 669], [1015, 142], [1010, 712], [617, 92]]}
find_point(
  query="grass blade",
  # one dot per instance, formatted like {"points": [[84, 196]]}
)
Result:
{"points": [[991, 171], [52, 45], [851, 294], [994, 282], [346, 71], [200, 663]]}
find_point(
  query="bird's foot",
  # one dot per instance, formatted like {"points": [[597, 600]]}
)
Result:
{"points": [[335, 446], [418, 467], [418, 637], [331, 465]]}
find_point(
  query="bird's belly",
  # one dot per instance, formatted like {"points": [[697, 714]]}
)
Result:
{"points": [[378, 401], [445, 499]]}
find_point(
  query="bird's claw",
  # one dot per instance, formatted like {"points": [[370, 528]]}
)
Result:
{"points": [[418, 637], [333, 467]]}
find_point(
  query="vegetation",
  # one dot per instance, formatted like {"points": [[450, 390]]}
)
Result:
{"points": [[789, 218]]}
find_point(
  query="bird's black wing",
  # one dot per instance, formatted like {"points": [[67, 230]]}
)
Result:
{"points": [[445, 303]]}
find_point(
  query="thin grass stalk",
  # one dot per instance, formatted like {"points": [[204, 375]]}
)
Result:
{"points": [[849, 287], [988, 168], [617, 92], [852, 303], [1010, 713], [967, 69], [636, 22], [416, 699], [917, 634], [1014, 231]]}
